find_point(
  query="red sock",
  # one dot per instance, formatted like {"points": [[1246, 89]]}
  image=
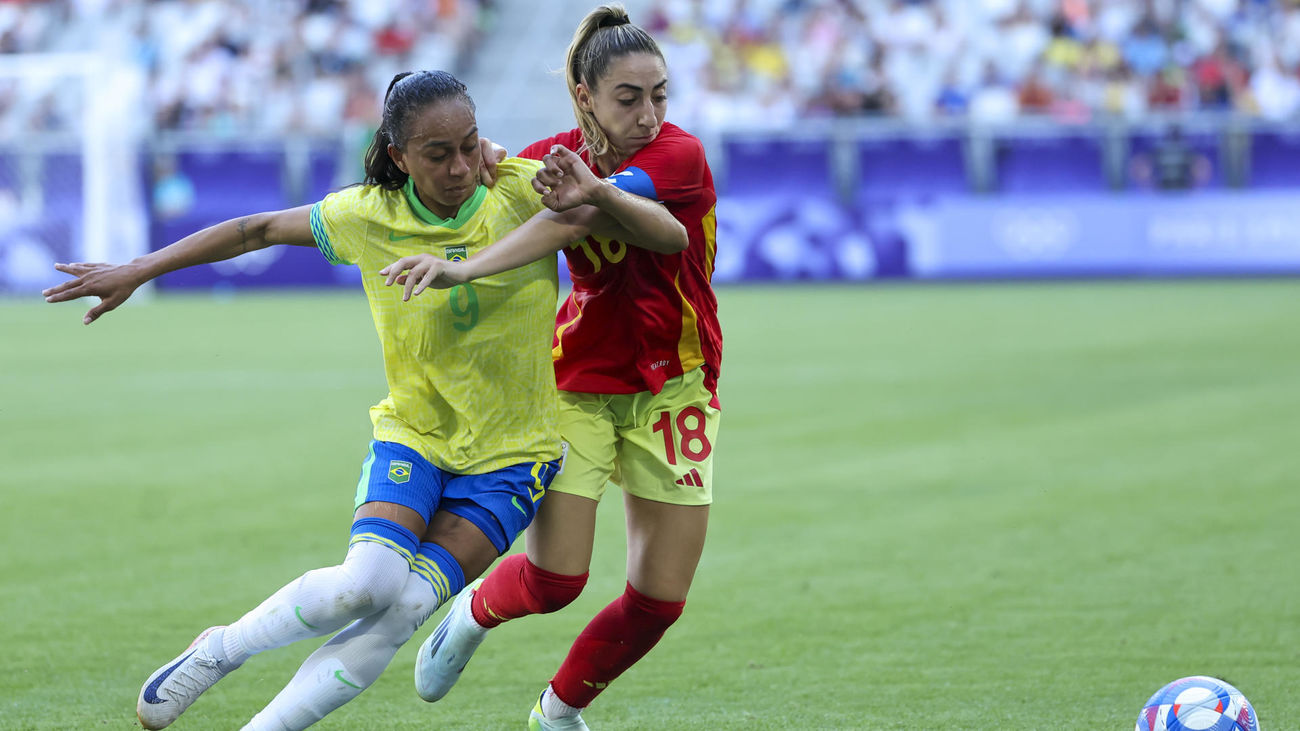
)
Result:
{"points": [[517, 588], [620, 635]]}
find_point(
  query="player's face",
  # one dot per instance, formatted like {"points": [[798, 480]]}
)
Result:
{"points": [[441, 155], [629, 101]]}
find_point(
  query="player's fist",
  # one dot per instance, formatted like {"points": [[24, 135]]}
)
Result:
{"points": [[565, 181]]}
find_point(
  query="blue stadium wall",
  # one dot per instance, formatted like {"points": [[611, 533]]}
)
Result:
{"points": [[881, 207]]}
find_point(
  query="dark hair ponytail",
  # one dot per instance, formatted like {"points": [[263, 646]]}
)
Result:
{"points": [[408, 92]]}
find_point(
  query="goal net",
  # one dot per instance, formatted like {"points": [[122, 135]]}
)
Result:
{"points": [[70, 182]]}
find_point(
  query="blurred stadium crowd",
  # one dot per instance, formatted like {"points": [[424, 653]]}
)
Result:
{"points": [[768, 62], [245, 65], [277, 65]]}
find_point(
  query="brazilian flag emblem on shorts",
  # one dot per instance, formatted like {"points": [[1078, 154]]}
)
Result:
{"points": [[456, 253], [399, 471]]}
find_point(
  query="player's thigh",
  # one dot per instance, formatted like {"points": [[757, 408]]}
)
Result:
{"points": [[488, 511], [664, 545], [464, 540], [561, 537]]}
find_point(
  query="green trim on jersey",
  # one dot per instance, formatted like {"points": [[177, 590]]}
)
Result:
{"points": [[467, 209], [363, 484], [322, 238]]}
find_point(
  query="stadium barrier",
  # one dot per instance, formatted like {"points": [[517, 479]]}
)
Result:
{"points": [[851, 201]]}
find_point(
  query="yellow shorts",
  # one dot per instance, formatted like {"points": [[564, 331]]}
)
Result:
{"points": [[655, 446]]}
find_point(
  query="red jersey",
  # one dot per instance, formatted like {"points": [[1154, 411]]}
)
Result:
{"points": [[636, 318]]}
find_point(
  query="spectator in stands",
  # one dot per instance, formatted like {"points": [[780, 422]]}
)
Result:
{"points": [[1064, 53], [1145, 51], [173, 191], [1219, 78], [1168, 89], [1275, 90], [994, 102], [1122, 93], [954, 97], [1034, 95]]}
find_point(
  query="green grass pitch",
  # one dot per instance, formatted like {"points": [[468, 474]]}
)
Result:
{"points": [[994, 506]]}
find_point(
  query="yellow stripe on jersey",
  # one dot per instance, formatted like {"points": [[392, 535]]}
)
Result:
{"points": [[710, 225], [557, 352], [689, 350], [470, 381]]}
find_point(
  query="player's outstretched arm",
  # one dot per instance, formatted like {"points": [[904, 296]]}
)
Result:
{"points": [[418, 272], [114, 283], [566, 182], [542, 235]]}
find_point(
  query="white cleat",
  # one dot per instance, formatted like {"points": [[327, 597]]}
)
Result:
{"points": [[173, 687], [537, 721], [446, 652]]}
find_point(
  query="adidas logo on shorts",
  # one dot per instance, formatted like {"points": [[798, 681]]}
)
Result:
{"points": [[691, 479]]}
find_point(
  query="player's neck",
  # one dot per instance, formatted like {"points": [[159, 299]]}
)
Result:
{"points": [[606, 164]]}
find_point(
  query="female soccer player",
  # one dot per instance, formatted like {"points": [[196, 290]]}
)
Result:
{"points": [[637, 350], [463, 447]]}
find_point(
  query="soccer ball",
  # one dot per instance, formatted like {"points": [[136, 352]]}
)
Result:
{"points": [[1197, 703]]}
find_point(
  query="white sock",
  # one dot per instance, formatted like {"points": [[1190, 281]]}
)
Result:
{"points": [[319, 602], [349, 663], [553, 707]]}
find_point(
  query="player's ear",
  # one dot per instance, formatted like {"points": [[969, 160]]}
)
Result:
{"points": [[395, 154], [583, 96]]}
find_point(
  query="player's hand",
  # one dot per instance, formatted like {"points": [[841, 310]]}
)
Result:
{"points": [[111, 283], [565, 181], [418, 272], [492, 154]]}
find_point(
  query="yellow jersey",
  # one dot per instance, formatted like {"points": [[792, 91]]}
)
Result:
{"points": [[470, 381]]}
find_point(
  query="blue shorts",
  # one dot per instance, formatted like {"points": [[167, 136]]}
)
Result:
{"points": [[500, 503]]}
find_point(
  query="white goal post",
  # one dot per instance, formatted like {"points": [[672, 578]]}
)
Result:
{"points": [[70, 178]]}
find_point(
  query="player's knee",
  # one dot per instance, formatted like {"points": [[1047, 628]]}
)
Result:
{"points": [[551, 592], [364, 596], [372, 578], [375, 570], [414, 605], [655, 614]]}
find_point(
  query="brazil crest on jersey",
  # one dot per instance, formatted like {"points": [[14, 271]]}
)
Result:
{"points": [[470, 381], [637, 318]]}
